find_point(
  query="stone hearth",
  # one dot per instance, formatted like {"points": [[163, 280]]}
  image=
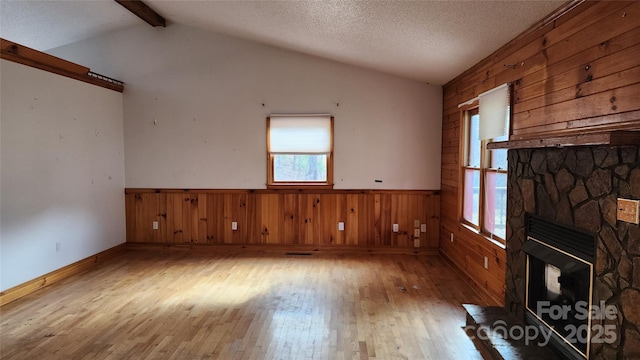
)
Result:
{"points": [[579, 186]]}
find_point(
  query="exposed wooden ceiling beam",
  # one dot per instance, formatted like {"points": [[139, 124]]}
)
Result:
{"points": [[143, 11]]}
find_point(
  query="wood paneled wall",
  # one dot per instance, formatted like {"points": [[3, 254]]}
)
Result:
{"points": [[573, 73], [276, 217]]}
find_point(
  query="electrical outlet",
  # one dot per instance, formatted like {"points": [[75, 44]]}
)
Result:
{"points": [[155, 225], [416, 242], [416, 223], [57, 247], [423, 228], [234, 225], [451, 237], [629, 210], [486, 262], [340, 226], [395, 228], [416, 233]]}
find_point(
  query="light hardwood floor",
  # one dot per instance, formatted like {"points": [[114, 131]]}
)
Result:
{"points": [[185, 305]]}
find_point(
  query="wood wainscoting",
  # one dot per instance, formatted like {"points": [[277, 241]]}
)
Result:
{"points": [[291, 218]]}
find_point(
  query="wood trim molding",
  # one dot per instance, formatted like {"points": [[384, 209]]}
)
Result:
{"points": [[611, 138], [310, 249], [279, 191], [30, 57], [45, 280]]}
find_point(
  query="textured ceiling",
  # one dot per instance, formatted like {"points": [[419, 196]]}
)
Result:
{"points": [[431, 41]]}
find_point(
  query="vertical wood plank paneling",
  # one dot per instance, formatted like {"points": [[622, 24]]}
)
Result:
{"points": [[130, 215], [433, 220], [268, 212], [194, 217], [316, 216], [308, 219], [139, 218], [412, 215], [377, 220], [162, 217], [396, 204], [254, 235], [261, 232], [304, 219], [341, 216], [275, 222], [174, 218], [275, 218], [147, 213], [291, 219], [235, 210], [386, 219], [186, 218], [330, 217], [215, 218], [241, 215], [365, 225], [228, 218], [351, 211]]}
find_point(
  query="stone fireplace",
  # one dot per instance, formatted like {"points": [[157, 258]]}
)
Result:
{"points": [[578, 186]]}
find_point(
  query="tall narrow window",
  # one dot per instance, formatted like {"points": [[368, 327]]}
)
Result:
{"points": [[472, 170], [484, 197], [300, 150]]}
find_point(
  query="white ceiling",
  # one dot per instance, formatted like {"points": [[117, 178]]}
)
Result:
{"points": [[431, 41]]}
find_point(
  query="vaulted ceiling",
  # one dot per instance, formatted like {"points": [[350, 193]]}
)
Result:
{"points": [[430, 41]]}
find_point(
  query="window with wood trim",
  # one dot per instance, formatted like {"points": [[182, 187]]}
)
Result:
{"points": [[484, 198], [300, 151]]}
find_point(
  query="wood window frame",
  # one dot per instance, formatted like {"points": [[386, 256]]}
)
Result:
{"points": [[485, 163], [302, 185]]}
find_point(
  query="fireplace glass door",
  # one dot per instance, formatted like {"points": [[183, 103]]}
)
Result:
{"points": [[559, 293], [559, 285]]}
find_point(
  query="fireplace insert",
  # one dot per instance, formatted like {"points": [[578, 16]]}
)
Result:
{"points": [[559, 284]]}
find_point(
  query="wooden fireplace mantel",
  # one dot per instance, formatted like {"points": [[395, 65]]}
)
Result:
{"points": [[610, 138]]}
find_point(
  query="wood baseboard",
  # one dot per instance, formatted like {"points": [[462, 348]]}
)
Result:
{"points": [[489, 298], [40, 282], [285, 248]]}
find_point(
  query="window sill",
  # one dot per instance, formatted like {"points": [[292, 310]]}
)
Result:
{"points": [[497, 243]]}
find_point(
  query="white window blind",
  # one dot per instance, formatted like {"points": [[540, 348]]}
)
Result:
{"points": [[300, 134], [494, 112]]}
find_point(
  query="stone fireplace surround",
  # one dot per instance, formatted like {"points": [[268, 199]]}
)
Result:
{"points": [[579, 186]]}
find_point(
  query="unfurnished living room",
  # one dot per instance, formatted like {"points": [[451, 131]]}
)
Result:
{"points": [[320, 179]]}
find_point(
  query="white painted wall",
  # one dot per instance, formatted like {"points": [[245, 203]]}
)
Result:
{"points": [[205, 91], [62, 172]]}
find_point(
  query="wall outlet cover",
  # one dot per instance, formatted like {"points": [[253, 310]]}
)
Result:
{"points": [[423, 228], [395, 228], [629, 210]]}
